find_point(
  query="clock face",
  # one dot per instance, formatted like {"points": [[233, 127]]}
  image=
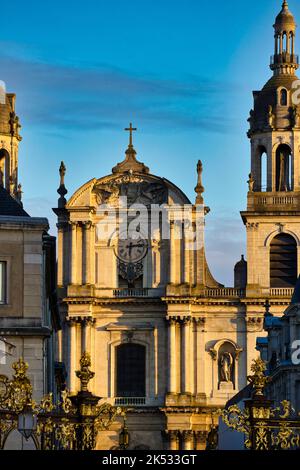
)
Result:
{"points": [[131, 250]]}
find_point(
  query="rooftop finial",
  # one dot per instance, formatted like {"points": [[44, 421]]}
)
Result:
{"points": [[62, 191], [199, 189], [285, 5], [130, 163], [130, 129]]}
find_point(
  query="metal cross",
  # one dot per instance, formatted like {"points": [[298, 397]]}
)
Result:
{"points": [[130, 129]]}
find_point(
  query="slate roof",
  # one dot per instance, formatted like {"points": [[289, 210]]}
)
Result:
{"points": [[9, 206]]}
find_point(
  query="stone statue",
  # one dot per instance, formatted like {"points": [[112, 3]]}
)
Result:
{"points": [[226, 367], [251, 118], [251, 183], [271, 117], [1, 177], [295, 117]]}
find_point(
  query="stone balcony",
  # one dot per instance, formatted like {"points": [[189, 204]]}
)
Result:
{"points": [[288, 201], [116, 293]]}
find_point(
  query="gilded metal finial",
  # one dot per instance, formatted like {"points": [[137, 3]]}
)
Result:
{"points": [[130, 129], [20, 367], [258, 379], [85, 374], [199, 189], [285, 5]]}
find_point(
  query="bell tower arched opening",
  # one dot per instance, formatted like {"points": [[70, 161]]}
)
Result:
{"points": [[284, 168], [4, 168], [283, 261]]}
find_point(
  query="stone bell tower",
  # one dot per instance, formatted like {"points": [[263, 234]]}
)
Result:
{"points": [[273, 209], [9, 144]]}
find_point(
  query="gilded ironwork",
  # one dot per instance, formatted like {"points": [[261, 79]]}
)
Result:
{"points": [[258, 379], [85, 374], [265, 427], [72, 423]]}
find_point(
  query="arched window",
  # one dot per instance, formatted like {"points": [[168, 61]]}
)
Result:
{"points": [[263, 165], [131, 370], [283, 261], [4, 168], [284, 168], [283, 97]]}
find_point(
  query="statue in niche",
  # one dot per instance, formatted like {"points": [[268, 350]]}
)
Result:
{"points": [[251, 183], [226, 367], [271, 117], [295, 117]]}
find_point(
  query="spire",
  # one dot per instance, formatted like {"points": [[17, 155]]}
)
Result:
{"points": [[130, 163], [284, 60], [62, 191], [199, 189]]}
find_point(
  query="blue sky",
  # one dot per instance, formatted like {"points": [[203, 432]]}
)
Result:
{"points": [[182, 72]]}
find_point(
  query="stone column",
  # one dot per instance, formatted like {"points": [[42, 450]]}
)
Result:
{"points": [[60, 255], [172, 440], [188, 440], [293, 44], [92, 254], [172, 386], [86, 334], [172, 253], [186, 354], [59, 356], [86, 252], [281, 43], [72, 357], [287, 42], [186, 257], [276, 44], [73, 258], [201, 437], [200, 355]]}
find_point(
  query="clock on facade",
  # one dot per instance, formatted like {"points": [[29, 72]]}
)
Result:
{"points": [[131, 250]]}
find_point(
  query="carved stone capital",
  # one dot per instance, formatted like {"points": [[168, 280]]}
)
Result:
{"points": [[87, 224], [72, 321], [187, 436], [186, 321], [87, 321], [73, 224], [201, 436], [252, 225], [172, 321], [170, 435]]}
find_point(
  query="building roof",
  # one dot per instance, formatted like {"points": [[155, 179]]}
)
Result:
{"points": [[9, 206]]}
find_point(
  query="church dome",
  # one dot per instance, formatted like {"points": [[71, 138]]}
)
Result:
{"points": [[240, 274], [285, 20]]}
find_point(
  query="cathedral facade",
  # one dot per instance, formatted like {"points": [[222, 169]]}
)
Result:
{"points": [[168, 341]]}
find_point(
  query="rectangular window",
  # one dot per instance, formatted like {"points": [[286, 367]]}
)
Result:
{"points": [[3, 282]]}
